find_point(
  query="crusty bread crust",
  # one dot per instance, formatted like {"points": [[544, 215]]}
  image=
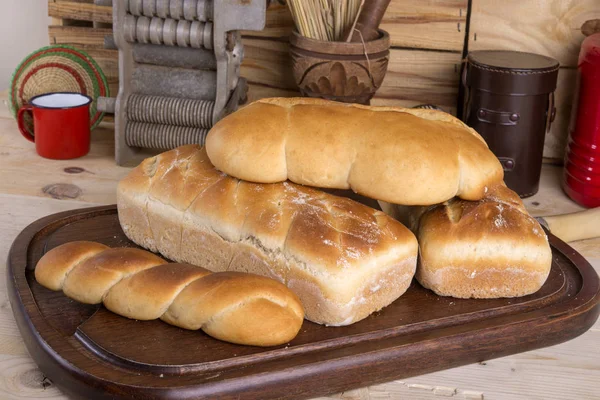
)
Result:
{"points": [[398, 155], [343, 259], [485, 249]]}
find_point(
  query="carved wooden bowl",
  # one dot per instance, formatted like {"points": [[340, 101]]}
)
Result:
{"points": [[347, 72]]}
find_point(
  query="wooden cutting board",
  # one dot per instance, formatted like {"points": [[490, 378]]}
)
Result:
{"points": [[89, 352]]}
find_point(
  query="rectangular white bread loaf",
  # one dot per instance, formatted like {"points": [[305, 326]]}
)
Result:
{"points": [[344, 260]]}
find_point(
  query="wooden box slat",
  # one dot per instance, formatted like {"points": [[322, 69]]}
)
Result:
{"points": [[257, 91], [78, 36], [434, 25], [417, 77], [79, 11]]}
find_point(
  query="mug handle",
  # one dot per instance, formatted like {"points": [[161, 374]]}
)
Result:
{"points": [[21, 123]]}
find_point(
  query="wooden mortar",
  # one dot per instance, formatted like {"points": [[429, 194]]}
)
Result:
{"points": [[340, 71]]}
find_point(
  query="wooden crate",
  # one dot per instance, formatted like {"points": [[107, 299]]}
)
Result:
{"points": [[414, 76], [428, 46], [84, 25]]}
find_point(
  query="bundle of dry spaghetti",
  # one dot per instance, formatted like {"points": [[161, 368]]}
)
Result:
{"points": [[327, 20]]}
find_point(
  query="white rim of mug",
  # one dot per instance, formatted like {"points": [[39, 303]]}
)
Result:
{"points": [[31, 101]]}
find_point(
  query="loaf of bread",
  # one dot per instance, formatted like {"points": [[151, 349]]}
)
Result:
{"points": [[344, 260], [480, 249], [231, 306], [398, 155]]}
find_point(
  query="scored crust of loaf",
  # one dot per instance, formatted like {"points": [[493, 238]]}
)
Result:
{"points": [[344, 260], [485, 249], [398, 155]]}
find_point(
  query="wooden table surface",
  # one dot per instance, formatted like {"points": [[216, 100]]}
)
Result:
{"points": [[32, 187]]}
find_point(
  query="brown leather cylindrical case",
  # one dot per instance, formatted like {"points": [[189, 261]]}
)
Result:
{"points": [[509, 100]]}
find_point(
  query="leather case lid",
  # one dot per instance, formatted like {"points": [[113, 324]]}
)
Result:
{"points": [[511, 72]]}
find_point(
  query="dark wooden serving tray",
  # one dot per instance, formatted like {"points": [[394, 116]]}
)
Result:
{"points": [[91, 353]]}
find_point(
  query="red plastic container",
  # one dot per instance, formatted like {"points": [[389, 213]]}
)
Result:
{"points": [[581, 178]]}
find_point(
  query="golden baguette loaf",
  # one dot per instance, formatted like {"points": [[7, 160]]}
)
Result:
{"points": [[231, 306], [344, 260], [398, 155], [480, 249]]}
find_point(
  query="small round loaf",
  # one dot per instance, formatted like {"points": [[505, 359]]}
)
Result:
{"points": [[482, 249], [235, 307], [398, 155]]}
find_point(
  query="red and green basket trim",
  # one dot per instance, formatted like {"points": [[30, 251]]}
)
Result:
{"points": [[70, 70], [88, 64], [77, 59]]}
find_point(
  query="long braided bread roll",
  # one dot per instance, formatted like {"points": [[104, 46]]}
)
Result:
{"points": [[398, 155], [232, 306]]}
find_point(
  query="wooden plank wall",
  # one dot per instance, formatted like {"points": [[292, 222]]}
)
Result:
{"points": [[428, 43]]}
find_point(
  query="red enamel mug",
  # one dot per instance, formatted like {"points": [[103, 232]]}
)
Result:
{"points": [[61, 124]]}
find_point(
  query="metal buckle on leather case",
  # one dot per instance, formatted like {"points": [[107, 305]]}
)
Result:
{"points": [[508, 164], [498, 117]]}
